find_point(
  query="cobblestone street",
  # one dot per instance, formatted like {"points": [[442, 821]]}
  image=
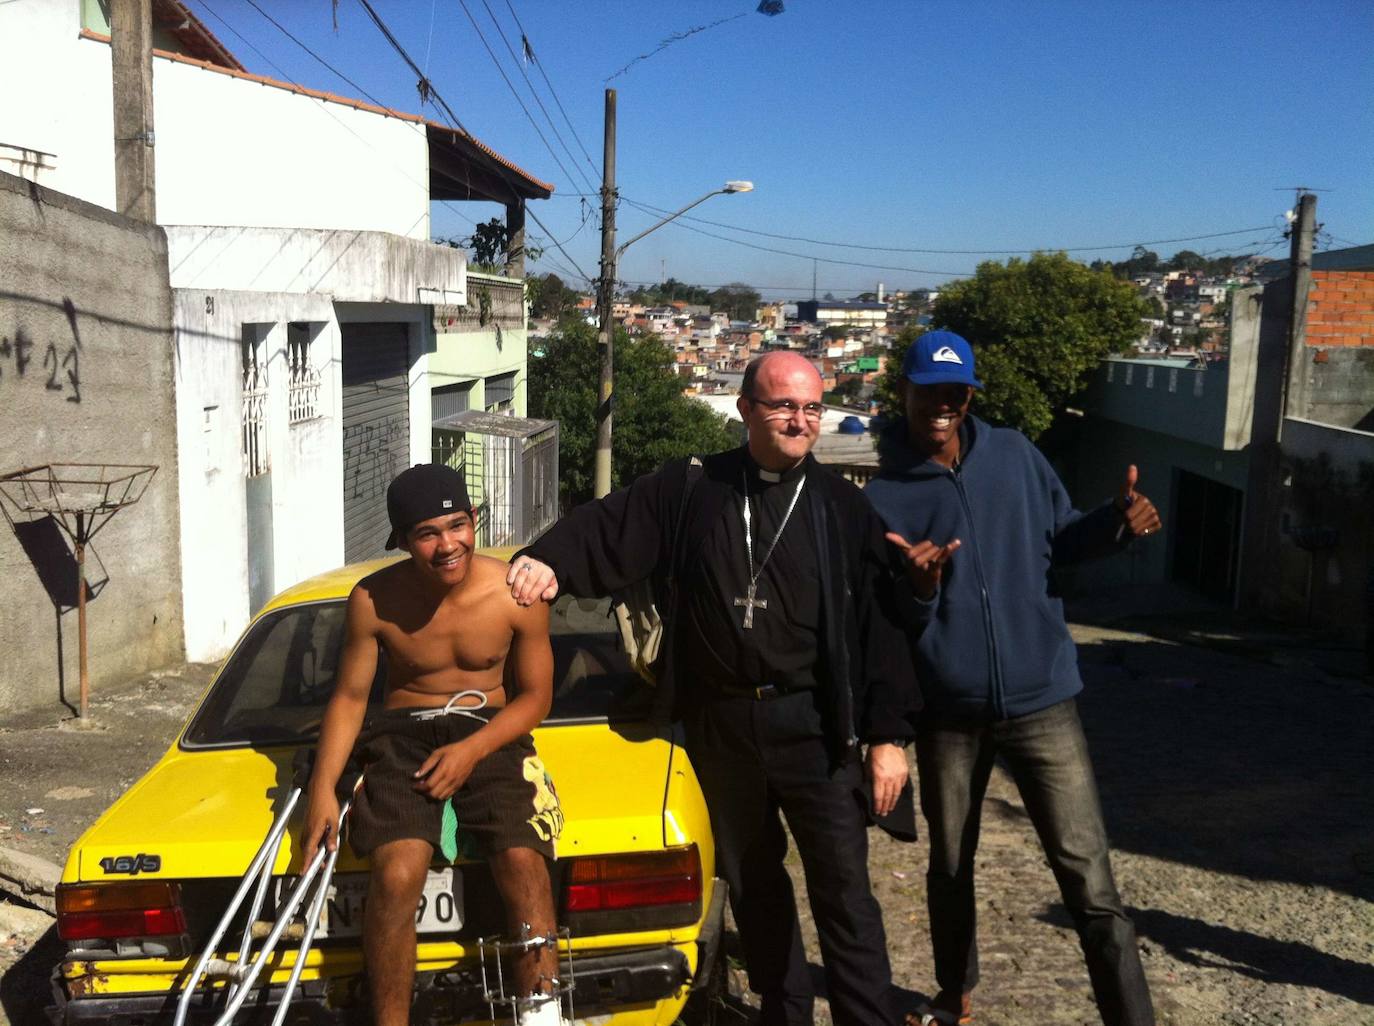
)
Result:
{"points": [[1236, 790]]}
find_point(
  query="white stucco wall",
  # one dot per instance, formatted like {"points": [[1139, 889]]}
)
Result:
{"points": [[305, 458], [274, 277], [230, 150]]}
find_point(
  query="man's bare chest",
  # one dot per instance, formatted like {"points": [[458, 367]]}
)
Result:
{"points": [[447, 642]]}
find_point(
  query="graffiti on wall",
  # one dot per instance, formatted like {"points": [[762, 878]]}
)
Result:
{"points": [[374, 453], [58, 367]]}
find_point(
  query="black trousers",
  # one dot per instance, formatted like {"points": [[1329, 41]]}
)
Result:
{"points": [[756, 759], [1048, 758]]}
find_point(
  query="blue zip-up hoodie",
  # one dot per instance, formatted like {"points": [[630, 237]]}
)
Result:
{"points": [[992, 643]]}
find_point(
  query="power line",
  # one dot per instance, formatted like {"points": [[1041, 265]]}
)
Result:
{"points": [[803, 256], [529, 49], [511, 86], [944, 252], [519, 66], [439, 101], [427, 91], [333, 70]]}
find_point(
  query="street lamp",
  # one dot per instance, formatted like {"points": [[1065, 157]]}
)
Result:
{"points": [[605, 298]]}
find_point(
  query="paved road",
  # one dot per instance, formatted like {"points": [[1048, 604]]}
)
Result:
{"points": [[1238, 799]]}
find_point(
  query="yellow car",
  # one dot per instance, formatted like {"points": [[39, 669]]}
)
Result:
{"points": [[145, 886]]}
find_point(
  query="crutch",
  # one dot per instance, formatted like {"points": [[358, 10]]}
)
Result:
{"points": [[242, 974]]}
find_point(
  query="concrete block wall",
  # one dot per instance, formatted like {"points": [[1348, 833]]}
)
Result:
{"points": [[85, 377]]}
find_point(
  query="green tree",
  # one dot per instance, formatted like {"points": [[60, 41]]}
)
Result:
{"points": [[489, 245], [737, 299], [549, 297], [1038, 328], [654, 422], [888, 390]]}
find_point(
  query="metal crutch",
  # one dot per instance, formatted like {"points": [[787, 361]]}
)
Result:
{"points": [[242, 973]]}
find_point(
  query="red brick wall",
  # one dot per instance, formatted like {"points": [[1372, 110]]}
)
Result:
{"points": [[1340, 310]]}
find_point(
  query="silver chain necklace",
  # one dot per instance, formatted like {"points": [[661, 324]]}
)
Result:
{"points": [[749, 600]]}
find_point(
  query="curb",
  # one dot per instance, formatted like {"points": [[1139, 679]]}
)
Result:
{"points": [[31, 878]]}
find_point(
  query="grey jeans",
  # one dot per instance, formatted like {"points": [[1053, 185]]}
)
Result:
{"points": [[1048, 758]]}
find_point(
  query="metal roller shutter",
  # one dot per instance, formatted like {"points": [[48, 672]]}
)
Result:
{"points": [[376, 431]]}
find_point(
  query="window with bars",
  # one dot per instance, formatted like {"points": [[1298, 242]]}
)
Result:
{"points": [[303, 388], [253, 345], [446, 400], [500, 393]]}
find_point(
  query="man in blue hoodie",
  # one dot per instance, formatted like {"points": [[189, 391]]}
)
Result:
{"points": [[987, 519]]}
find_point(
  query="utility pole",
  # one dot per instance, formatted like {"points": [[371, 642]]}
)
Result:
{"points": [[1304, 228], [605, 295], [131, 60]]}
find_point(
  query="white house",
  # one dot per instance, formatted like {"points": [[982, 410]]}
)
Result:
{"points": [[318, 331]]}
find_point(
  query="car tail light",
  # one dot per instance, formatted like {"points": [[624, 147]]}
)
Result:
{"points": [[119, 910], [653, 889]]}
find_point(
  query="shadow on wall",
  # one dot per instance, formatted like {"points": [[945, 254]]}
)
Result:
{"points": [[44, 542]]}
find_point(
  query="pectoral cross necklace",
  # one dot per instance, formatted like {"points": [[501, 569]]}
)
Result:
{"points": [[749, 600]]}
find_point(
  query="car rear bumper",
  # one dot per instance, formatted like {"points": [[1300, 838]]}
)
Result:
{"points": [[603, 983]]}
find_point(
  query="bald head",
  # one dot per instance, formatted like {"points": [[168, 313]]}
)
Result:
{"points": [[780, 403], [768, 372]]}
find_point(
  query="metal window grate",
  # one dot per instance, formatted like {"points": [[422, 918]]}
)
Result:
{"points": [[500, 391], [303, 389], [256, 458]]}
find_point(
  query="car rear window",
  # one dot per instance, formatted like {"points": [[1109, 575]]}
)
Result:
{"points": [[275, 685]]}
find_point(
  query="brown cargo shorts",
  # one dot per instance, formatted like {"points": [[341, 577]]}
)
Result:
{"points": [[509, 800]]}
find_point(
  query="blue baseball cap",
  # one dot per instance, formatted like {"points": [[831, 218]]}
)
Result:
{"points": [[940, 357]]}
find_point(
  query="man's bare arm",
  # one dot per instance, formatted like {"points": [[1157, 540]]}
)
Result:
{"points": [[447, 768], [343, 719]]}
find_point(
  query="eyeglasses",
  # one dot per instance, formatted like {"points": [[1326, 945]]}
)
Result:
{"points": [[787, 408]]}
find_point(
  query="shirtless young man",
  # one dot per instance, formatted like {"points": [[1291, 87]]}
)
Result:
{"points": [[448, 735]]}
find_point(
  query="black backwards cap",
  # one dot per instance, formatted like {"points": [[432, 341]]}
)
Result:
{"points": [[425, 491]]}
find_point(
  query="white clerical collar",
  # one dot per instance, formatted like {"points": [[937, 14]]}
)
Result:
{"points": [[774, 476]]}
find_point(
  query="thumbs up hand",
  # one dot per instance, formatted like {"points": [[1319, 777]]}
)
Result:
{"points": [[1138, 512]]}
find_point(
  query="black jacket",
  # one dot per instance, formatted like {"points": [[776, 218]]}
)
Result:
{"points": [[868, 681]]}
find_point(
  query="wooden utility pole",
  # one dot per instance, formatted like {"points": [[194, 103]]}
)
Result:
{"points": [[1304, 229], [605, 296], [131, 58]]}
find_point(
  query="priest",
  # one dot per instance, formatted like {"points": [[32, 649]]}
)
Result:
{"points": [[783, 661]]}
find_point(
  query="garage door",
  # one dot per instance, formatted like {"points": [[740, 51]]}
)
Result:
{"points": [[376, 430]]}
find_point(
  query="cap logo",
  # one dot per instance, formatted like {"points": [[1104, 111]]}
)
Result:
{"points": [[448, 504], [946, 355]]}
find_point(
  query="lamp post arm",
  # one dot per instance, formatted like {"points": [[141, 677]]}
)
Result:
{"points": [[659, 224]]}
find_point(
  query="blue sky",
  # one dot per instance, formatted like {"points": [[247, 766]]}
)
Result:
{"points": [[935, 126]]}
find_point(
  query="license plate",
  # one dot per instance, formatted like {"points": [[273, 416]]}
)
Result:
{"points": [[440, 909]]}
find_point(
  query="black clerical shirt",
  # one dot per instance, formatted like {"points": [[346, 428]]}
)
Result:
{"points": [[783, 645]]}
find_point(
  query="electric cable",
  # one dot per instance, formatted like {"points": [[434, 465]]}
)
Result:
{"points": [[323, 103], [439, 101], [586, 182], [511, 86], [529, 49], [943, 252], [427, 91]]}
